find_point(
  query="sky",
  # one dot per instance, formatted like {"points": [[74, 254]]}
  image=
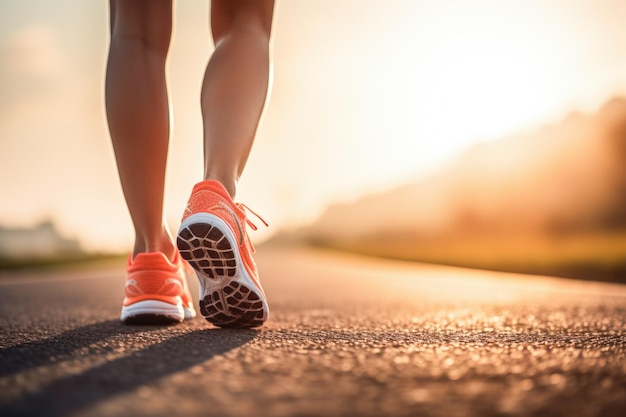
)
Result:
{"points": [[366, 95]]}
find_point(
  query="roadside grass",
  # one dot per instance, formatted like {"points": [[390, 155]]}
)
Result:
{"points": [[590, 256], [61, 262]]}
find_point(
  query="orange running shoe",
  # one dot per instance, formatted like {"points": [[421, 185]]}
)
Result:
{"points": [[213, 239], [156, 290]]}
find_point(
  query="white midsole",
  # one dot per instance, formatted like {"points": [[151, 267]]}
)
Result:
{"points": [[208, 284], [154, 307]]}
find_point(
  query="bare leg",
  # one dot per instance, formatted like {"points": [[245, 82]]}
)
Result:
{"points": [[235, 85], [138, 113]]}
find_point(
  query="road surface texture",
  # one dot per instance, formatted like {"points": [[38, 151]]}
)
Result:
{"points": [[347, 336]]}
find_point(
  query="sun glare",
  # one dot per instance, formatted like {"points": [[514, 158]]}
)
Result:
{"points": [[485, 76]]}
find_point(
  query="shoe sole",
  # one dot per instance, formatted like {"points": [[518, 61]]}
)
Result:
{"points": [[228, 296], [152, 312]]}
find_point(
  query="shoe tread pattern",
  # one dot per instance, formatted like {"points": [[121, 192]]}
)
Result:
{"points": [[209, 252]]}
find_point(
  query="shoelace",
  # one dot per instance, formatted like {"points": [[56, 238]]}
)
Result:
{"points": [[242, 208]]}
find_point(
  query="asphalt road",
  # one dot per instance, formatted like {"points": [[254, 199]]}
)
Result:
{"points": [[347, 336]]}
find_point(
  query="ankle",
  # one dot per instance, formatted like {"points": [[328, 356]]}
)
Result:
{"points": [[164, 244]]}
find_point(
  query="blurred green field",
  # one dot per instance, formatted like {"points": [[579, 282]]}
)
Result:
{"points": [[8, 265], [591, 257]]}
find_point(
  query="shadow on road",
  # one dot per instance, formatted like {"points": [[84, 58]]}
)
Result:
{"points": [[166, 356], [64, 347]]}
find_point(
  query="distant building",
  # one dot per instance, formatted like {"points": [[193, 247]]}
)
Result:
{"points": [[40, 241]]}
